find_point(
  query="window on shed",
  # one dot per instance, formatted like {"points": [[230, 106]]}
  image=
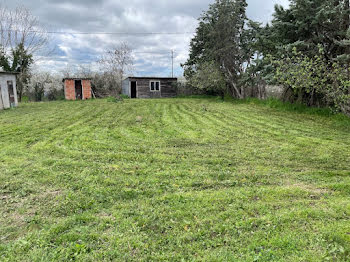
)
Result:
{"points": [[155, 86]]}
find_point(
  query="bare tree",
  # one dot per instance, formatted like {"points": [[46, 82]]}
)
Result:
{"points": [[119, 60], [85, 70], [38, 83], [19, 26], [68, 71], [115, 64], [44, 85], [21, 38]]}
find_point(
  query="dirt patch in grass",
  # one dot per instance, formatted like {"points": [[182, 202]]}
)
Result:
{"points": [[50, 194], [313, 191]]}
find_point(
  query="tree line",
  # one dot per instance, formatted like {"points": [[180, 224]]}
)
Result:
{"points": [[24, 40], [305, 49]]}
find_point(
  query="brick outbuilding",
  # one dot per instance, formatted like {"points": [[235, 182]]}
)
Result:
{"points": [[77, 88]]}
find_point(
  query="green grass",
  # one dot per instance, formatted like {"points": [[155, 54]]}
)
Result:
{"points": [[173, 179]]}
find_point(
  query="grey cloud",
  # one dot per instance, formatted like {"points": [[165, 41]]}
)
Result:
{"points": [[126, 16]]}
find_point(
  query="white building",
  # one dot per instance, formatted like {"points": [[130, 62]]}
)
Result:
{"points": [[8, 91]]}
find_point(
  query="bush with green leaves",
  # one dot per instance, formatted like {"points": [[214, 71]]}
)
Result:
{"points": [[209, 79], [314, 80]]}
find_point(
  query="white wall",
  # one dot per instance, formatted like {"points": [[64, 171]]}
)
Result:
{"points": [[126, 87], [4, 90]]}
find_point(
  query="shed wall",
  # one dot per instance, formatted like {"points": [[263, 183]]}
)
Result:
{"points": [[69, 89], [86, 89], [126, 87], [5, 99], [167, 88], [143, 90]]}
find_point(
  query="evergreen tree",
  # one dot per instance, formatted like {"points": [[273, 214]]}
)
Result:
{"points": [[224, 37], [306, 24], [18, 61]]}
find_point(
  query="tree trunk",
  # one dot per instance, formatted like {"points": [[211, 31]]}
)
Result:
{"points": [[229, 75], [222, 95]]}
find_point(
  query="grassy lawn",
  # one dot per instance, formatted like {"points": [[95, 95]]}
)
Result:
{"points": [[172, 179]]}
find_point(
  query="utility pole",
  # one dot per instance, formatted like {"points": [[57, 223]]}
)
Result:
{"points": [[172, 63]]}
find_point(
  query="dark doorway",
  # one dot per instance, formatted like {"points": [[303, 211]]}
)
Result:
{"points": [[133, 89], [78, 90], [11, 93]]}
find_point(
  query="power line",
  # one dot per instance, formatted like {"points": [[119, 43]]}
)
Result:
{"points": [[103, 33], [163, 53], [151, 52]]}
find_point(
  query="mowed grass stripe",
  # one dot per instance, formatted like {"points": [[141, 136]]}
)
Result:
{"points": [[287, 133], [172, 179]]}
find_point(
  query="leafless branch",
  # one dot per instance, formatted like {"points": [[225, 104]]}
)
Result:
{"points": [[118, 61], [19, 26]]}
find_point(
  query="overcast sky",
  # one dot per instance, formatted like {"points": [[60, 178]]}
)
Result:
{"points": [[152, 52]]}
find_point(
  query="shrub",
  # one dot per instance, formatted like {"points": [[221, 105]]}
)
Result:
{"points": [[209, 79], [124, 96], [315, 81], [55, 94]]}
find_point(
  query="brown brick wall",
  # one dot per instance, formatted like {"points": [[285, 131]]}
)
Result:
{"points": [[69, 89], [86, 89]]}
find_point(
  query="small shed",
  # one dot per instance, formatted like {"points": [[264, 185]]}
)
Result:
{"points": [[77, 88], [149, 87], [8, 90]]}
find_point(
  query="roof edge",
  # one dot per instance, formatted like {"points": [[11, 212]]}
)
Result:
{"points": [[150, 77], [76, 78]]}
